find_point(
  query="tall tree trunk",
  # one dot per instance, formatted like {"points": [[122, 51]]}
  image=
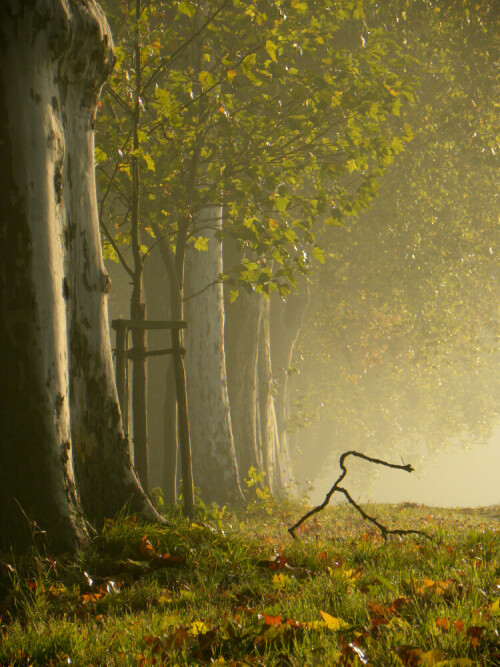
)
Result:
{"points": [[274, 454], [137, 307], [241, 340], [162, 405], [170, 437], [287, 318], [174, 267], [214, 460], [60, 419]]}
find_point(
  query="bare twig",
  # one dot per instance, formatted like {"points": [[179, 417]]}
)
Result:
{"points": [[383, 529]]}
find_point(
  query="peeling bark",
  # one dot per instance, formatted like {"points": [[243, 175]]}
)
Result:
{"points": [[60, 420]]}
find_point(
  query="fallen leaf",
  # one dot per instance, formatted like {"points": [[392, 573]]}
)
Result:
{"points": [[443, 624], [474, 633], [410, 655], [146, 548], [274, 621], [433, 657], [333, 623]]}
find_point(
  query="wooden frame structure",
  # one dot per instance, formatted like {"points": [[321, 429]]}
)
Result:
{"points": [[123, 354]]}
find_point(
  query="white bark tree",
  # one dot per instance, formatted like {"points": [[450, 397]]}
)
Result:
{"points": [[215, 469], [61, 444]]}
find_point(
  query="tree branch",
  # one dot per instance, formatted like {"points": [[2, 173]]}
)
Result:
{"points": [[383, 529], [182, 47], [115, 247]]}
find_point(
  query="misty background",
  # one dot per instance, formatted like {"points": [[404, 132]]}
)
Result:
{"points": [[391, 325]]}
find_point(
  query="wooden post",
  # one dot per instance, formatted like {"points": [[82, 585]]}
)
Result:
{"points": [[121, 369], [138, 354], [139, 398], [182, 415]]}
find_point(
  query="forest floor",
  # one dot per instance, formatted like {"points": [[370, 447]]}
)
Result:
{"points": [[235, 589]]}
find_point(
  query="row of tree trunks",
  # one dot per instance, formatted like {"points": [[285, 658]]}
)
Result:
{"points": [[224, 339], [62, 448]]}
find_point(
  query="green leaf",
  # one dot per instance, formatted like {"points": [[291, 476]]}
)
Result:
{"points": [[206, 79], [233, 295], [149, 161], [201, 243], [351, 166], [271, 49], [99, 155], [319, 254], [187, 8]]}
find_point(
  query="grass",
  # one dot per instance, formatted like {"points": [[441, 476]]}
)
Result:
{"points": [[234, 589]]}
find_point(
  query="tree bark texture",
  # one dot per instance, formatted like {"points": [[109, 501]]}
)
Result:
{"points": [[60, 421], [274, 453], [241, 338], [252, 391], [287, 318], [162, 402], [215, 469]]}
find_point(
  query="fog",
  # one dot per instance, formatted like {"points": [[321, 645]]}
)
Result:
{"points": [[361, 312], [453, 478]]}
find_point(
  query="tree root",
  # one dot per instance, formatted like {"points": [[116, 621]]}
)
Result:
{"points": [[383, 529]]}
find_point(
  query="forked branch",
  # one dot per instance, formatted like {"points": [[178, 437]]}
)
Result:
{"points": [[383, 529]]}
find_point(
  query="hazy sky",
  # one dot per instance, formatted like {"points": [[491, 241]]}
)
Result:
{"points": [[454, 478]]}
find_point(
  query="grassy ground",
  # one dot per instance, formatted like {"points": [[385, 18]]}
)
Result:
{"points": [[237, 590]]}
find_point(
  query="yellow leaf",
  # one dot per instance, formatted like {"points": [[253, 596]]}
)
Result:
{"points": [[494, 607], [315, 625], [353, 573], [333, 623], [351, 165], [282, 581], [271, 50], [164, 599], [198, 628], [433, 657], [201, 243]]}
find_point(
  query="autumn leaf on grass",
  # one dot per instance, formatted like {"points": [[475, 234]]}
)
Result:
{"points": [[283, 581], [168, 560], [494, 608], [90, 598], [333, 623], [444, 625], [274, 621], [474, 633], [415, 656], [198, 628], [146, 549], [179, 638], [279, 563], [381, 614], [351, 573], [434, 587]]}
